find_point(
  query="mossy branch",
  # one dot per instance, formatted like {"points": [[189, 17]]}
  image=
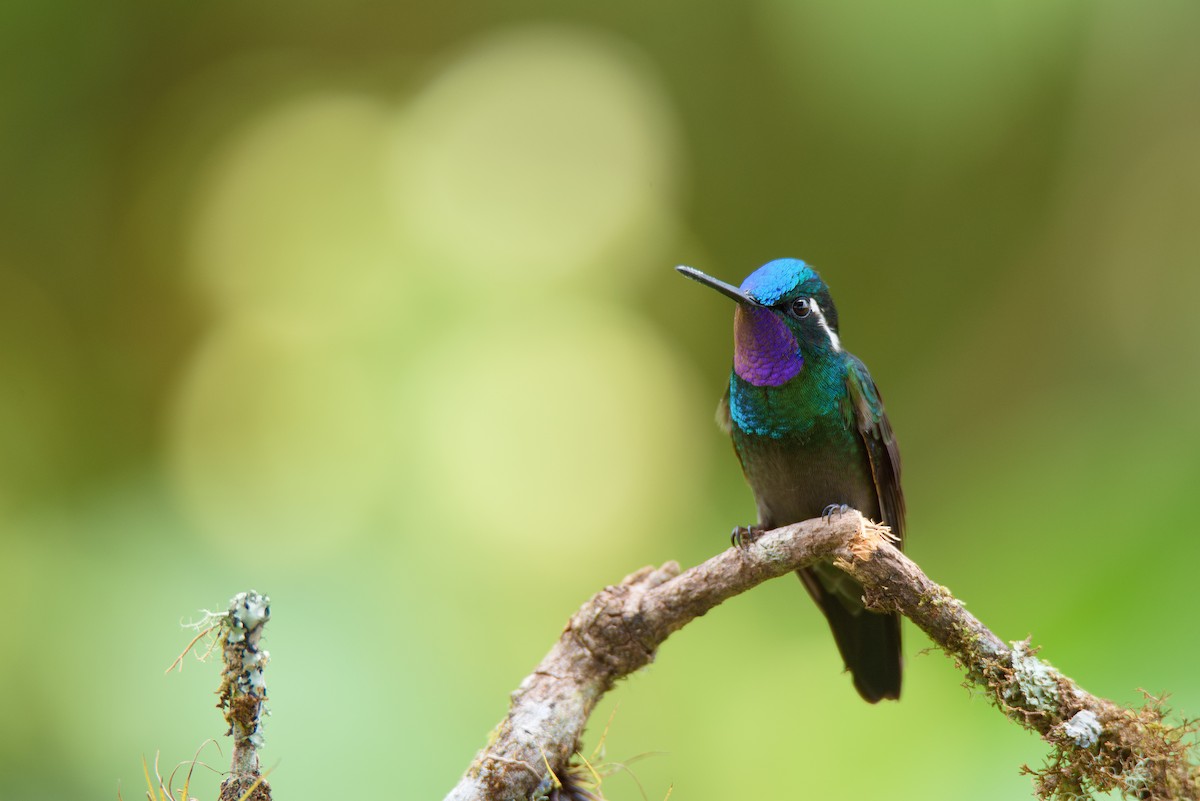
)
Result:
{"points": [[1097, 745], [243, 693]]}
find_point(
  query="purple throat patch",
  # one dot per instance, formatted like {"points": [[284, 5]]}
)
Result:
{"points": [[765, 352]]}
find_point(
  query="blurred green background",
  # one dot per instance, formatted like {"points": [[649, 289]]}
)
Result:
{"points": [[370, 307]]}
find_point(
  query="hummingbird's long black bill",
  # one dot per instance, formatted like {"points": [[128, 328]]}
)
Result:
{"points": [[729, 290]]}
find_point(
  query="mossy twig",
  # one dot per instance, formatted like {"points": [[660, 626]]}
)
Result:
{"points": [[243, 693], [1097, 745]]}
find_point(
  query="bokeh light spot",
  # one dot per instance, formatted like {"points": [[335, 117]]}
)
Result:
{"points": [[272, 441], [555, 434], [291, 216], [534, 152]]}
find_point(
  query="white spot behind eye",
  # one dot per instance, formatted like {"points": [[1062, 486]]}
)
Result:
{"points": [[833, 337]]}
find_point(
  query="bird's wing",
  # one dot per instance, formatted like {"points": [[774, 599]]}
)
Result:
{"points": [[724, 421], [866, 406]]}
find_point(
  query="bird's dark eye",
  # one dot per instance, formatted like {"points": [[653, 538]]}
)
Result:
{"points": [[801, 307]]}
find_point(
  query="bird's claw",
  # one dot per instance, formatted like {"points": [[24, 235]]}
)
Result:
{"points": [[744, 536], [832, 509]]}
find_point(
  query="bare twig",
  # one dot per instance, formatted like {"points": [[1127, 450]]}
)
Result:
{"points": [[1098, 745]]}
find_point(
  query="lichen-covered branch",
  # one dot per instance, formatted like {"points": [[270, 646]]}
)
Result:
{"points": [[243, 692], [1098, 745]]}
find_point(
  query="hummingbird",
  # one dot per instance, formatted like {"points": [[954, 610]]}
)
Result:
{"points": [[808, 427]]}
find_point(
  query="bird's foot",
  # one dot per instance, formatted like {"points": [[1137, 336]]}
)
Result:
{"points": [[832, 509], [744, 536]]}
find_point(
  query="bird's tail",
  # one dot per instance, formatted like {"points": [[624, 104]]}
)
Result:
{"points": [[869, 642]]}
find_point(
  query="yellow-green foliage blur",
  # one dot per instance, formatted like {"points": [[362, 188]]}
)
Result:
{"points": [[371, 307]]}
